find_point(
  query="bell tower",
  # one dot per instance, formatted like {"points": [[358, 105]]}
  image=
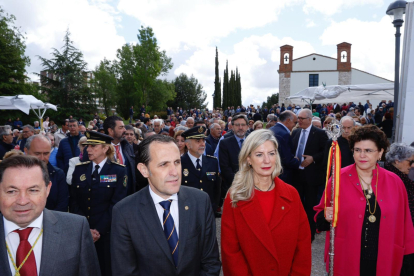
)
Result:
{"points": [[285, 70], [343, 62]]}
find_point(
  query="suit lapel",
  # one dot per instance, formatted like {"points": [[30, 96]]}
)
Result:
{"points": [[203, 167], [310, 139], [51, 243], [282, 204], [4, 259], [184, 218], [254, 217], [150, 217]]}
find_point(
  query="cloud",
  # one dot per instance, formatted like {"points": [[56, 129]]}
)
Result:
{"points": [[257, 59], [331, 7], [181, 23], [310, 23], [92, 25], [373, 46]]}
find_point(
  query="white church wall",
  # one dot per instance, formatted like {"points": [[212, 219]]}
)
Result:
{"points": [[300, 81], [309, 64]]}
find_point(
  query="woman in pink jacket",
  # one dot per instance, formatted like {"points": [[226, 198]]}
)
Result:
{"points": [[374, 230]]}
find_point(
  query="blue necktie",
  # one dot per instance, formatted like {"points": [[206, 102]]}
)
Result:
{"points": [[241, 142], [301, 145], [198, 167], [169, 230]]}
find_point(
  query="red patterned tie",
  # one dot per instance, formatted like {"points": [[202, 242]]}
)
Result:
{"points": [[29, 267], [119, 155]]}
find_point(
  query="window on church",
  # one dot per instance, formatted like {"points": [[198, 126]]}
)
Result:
{"points": [[313, 80], [344, 56], [286, 58]]}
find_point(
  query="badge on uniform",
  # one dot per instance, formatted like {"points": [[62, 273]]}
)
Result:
{"points": [[83, 177], [185, 172], [211, 173], [108, 178], [125, 180]]}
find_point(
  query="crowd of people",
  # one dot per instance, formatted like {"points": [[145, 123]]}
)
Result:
{"points": [[144, 196]]}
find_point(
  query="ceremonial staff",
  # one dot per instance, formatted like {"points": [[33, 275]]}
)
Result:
{"points": [[334, 166]]}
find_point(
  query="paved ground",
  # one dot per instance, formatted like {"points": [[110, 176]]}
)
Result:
{"points": [[318, 245]]}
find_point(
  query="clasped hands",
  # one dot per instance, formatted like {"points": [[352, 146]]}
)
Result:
{"points": [[307, 161], [95, 235]]}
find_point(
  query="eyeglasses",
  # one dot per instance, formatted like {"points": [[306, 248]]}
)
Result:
{"points": [[240, 125], [366, 151], [301, 118], [411, 162]]}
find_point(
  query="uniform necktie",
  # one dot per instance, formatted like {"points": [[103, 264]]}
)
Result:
{"points": [[301, 145], [169, 230], [95, 174], [119, 155], [29, 267], [198, 167], [241, 142]]}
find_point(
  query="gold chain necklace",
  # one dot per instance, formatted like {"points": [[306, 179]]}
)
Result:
{"points": [[371, 218], [25, 259], [368, 195]]}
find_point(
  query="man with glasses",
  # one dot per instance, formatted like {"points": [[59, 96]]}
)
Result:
{"points": [[309, 144], [6, 143], [68, 147], [229, 149], [28, 131], [282, 129]]}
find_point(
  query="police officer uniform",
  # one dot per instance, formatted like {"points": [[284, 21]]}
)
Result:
{"points": [[95, 191], [204, 176]]}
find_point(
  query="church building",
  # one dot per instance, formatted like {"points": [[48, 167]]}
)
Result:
{"points": [[315, 69]]}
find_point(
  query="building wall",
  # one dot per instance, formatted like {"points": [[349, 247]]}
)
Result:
{"points": [[284, 86], [359, 77], [309, 64], [300, 80]]}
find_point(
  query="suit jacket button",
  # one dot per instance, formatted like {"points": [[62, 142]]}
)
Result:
{"points": [[186, 181], [88, 217], [89, 190], [78, 186], [201, 189], [89, 208], [201, 181], [108, 186], [89, 198]]}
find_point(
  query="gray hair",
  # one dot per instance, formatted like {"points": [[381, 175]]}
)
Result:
{"points": [[29, 127], [399, 152], [347, 118], [190, 118], [287, 114], [36, 122], [161, 121], [33, 137], [178, 128], [307, 111], [214, 124], [271, 117], [4, 130]]}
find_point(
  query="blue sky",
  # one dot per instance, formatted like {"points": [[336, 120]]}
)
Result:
{"points": [[247, 33]]}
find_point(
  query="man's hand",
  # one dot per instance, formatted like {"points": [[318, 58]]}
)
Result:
{"points": [[308, 160], [95, 235], [329, 214]]}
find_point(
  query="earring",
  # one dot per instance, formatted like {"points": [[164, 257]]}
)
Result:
{"points": [[250, 165]]}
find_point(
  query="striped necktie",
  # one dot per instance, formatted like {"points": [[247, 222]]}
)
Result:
{"points": [[169, 230]]}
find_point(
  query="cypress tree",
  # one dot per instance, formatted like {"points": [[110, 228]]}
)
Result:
{"points": [[217, 85], [225, 87]]}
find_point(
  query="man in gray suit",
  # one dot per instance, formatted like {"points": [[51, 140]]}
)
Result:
{"points": [[62, 243], [165, 228]]}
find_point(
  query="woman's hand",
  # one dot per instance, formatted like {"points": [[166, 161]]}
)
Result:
{"points": [[95, 235], [329, 214]]}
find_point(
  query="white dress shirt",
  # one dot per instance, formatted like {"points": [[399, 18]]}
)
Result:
{"points": [[160, 211], [13, 240], [100, 165], [304, 146], [194, 159], [120, 151]]}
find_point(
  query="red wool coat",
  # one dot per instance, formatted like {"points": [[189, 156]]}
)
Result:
{"points": [[250, 246], [396, 236]]}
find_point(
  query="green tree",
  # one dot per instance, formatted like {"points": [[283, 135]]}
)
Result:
{"points": [[65, 81], [217, 85], [161, 92], [12, 57], [151, 63], [226, 102], [104, 85], [189, 93], [125, 70], [271, 100]]}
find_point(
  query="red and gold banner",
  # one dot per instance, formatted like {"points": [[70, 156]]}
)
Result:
{"points": [[334, 152]]}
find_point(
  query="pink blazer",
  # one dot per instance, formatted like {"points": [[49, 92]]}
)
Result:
{"points": [[396, 236]]}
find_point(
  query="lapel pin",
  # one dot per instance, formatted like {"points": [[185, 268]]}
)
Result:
{"points": [[186, 208], [283, 207]]}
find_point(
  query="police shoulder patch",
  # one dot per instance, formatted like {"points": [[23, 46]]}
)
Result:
{"points": [[211, 156], [118, 164], [83, 163]]}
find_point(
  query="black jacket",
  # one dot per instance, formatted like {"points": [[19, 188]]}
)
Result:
{"points": [[5, 148]]}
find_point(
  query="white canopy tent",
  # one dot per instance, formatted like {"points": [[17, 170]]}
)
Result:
{"points": [[344, 93], [24, 103]]}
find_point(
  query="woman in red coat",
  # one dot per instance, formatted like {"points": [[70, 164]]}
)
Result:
{"points": [[264, 228]]}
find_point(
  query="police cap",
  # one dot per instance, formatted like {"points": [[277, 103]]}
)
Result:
{"points": [[97, 138], [196, 132]]}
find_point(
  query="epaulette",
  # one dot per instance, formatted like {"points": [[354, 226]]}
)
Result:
{"points": [[211, 156], [118, 163], [83, 163]]}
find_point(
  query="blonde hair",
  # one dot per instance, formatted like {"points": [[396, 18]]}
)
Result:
{"points": [[110, 152], [242, 187]]}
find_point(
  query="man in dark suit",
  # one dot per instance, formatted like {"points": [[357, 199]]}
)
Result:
{"points": [[336, 108], [229, 149], [40, 146], [64, 244], [214, 137], [124, 152], [281, 130], [165, 228], [200, 171], [308, 144]]}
